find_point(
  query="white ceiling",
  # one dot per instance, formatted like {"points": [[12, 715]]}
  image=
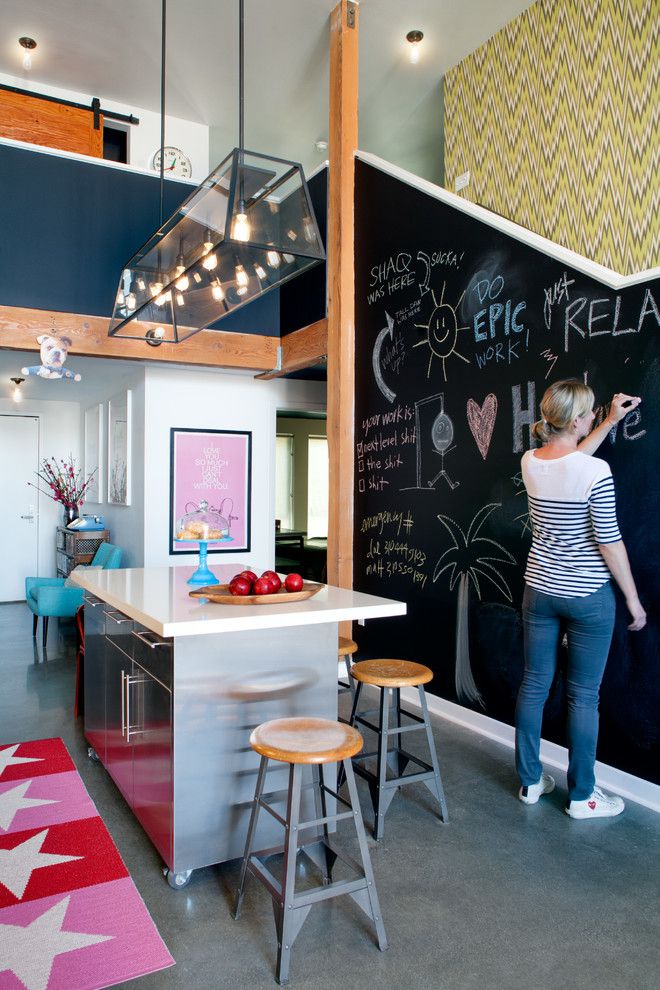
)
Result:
{"points": [[99, 377], [111, 48]]}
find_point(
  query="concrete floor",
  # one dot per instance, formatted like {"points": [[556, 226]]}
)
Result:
{"points": [[504, 896]]}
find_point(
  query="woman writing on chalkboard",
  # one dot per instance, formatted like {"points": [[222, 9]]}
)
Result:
{"points": [[576, 549]]}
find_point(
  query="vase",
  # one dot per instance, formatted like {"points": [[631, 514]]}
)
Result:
{"points": [[70, 513]]}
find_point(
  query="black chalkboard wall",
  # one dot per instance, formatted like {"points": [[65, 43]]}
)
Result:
{"points": [[459, 330]]}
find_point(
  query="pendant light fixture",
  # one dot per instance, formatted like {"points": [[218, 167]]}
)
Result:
{"points": [[248, 228], [17, 394]]}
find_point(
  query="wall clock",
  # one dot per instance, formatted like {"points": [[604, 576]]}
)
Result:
{"points": [[176, 162]]}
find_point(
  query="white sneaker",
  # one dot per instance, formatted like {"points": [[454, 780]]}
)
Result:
{"points": [[599, 805], [531, 794]]}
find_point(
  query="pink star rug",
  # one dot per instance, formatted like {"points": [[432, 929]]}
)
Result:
{"points": [[70, 915]]}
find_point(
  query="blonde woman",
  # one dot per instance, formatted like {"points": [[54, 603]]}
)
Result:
{"points": [[576, 549]]}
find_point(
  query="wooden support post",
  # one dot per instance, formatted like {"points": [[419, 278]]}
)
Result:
{"points": [[343, 142]]}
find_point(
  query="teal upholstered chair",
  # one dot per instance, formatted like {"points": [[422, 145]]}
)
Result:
{"points": [[48, 597]]}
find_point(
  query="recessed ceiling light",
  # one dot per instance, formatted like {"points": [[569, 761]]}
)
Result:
{"points": [[28, 45], [414, 38]]}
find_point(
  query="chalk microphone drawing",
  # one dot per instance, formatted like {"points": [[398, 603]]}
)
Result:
{"points": [[387, 331], [465, 560], [442, 332], [481, 420]]}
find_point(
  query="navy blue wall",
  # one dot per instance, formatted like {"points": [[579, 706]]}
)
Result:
{"points": [[68, 227]]}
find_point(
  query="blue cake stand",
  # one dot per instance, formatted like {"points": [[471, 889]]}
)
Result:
{"points": [[203, 574]]}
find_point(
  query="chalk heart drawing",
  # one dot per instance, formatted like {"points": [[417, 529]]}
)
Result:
{"points": [[481, 420]]}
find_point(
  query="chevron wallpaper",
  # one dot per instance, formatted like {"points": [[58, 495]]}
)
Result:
{"points": [[556, 117]]}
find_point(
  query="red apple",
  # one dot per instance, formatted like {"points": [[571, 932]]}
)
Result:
{"points": [[250, 575], [275, 582], [269, 574], [293, 582], [262, 586], [240, 586]]}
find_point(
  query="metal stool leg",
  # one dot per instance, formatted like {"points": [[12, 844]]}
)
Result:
{"points": [[395, 757], [369, 903], [289, 919], [435, 785], [379, 799], [250, 835], [327, 858], [356, 701]]}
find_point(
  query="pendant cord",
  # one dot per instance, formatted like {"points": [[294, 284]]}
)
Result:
{"points": [[241, 73], [241, 103], [162, 106]]}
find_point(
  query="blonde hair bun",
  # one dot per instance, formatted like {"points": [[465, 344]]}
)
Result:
{"points": [[561, 403]]}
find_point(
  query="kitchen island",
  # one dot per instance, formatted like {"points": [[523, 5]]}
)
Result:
{"points": [[173, 686]]}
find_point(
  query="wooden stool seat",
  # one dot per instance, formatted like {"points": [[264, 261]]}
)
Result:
{"points": [[306, 740], [391, 673], [346, 647]]}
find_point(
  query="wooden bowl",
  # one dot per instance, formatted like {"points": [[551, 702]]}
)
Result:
{"points": [[221, 594]]}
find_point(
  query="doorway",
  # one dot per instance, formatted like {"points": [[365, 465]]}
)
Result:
{"points": [[19, 504], [301, 494]]}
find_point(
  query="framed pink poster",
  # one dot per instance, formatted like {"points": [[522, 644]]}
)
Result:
{"points": [[212, 467]]}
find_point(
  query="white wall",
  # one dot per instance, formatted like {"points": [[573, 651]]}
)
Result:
{"points": [[221, 401], [124, 522], [59, 436], [143, 138]]}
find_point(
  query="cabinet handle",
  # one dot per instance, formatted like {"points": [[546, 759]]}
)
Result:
{"points": [[113, 613], [143, 637], [94, 604], [129, 681], [123, 706]]}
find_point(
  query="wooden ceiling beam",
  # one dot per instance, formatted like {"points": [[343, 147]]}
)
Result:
{"points": [[343, 142], [20, 327], [301, 349]]}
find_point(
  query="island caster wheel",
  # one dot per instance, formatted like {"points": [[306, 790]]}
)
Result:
{"points": [[177, 881], [93, 755]]}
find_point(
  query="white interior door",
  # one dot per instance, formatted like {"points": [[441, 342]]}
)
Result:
{"points": [[19, 507]]}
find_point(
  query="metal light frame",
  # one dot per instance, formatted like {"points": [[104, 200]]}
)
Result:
{"points": [[245, 230]]}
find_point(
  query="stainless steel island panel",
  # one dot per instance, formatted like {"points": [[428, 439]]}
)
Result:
{"points": [[224, 685]]}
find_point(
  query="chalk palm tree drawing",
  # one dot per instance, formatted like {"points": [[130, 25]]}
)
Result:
{"points": [[469, 559]]}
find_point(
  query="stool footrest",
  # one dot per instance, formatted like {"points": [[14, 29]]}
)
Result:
{"points": [[398, 729], [334, 889], [271, 811], [324, 821]]}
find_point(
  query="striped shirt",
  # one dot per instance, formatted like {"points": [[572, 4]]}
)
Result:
{"points": [[572, 509]]}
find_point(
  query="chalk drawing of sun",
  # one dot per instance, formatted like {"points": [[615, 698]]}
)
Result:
{"points": [[442, 332]]}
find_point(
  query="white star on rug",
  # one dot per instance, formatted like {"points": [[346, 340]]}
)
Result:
{"points": [[29, 951], [18, 864], [7, 758], [14, 800]]}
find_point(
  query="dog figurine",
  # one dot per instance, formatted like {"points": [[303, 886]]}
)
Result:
{"points": [[53, 356]]}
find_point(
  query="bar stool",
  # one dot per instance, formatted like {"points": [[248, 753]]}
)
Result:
{"points": [[392, 675], [347, 647], [298, 742]]}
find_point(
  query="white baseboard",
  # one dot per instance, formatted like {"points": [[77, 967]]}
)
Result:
{"points": [[625, 784]]}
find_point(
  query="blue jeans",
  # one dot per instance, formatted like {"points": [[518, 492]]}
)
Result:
{"points": [[589, 623]]}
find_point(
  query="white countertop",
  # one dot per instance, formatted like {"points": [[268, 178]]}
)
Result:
{"points": [[158, 597]]}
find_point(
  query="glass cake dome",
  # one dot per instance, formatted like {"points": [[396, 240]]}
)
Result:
{"points": [[201, 523]]}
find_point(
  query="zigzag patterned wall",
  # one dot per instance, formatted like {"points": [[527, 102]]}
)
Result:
{"points": [[556, 117]]}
